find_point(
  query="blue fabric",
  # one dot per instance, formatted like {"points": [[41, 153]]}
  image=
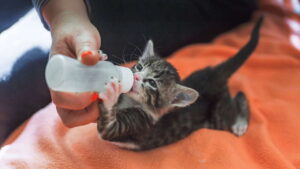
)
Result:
{"points": [[24, 91], [11, 11], [39, 4]]}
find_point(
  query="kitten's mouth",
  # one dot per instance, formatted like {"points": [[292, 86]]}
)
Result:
{"points": [[133, 91], [133, 88]]}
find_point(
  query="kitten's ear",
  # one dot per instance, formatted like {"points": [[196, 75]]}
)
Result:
{"points": [[149, 50], [184, 96]]}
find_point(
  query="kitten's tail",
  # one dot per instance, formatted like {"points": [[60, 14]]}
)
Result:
{"points": [[228, 67]]}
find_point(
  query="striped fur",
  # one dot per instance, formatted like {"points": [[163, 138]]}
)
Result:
{"points": [[155, 115]]}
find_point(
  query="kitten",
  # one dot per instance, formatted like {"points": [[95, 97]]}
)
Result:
{"points": [[160, 109]]}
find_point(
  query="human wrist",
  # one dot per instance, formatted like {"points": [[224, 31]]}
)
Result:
{"points": [[56, 12]]}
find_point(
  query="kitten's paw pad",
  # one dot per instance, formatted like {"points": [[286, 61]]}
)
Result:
{"points": [[239, 128], [111, 95]]}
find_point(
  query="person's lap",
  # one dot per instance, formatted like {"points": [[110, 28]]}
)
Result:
{"points": [[125, 26]]}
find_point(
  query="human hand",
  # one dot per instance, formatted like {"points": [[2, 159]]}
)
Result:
{"points": [[75, 36]]}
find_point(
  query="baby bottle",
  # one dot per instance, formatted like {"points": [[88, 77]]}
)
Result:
{"points": [[66, 74]]}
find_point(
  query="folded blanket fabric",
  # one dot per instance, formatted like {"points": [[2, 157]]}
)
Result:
{"points": [[270, 79]]}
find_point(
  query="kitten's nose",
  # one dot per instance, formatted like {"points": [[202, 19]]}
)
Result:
{"points": [[136, 77]]}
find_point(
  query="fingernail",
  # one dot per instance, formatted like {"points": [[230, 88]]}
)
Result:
{"points": [[94, 97], [86, 53]]}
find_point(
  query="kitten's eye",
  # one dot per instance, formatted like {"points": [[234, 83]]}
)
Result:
{"points": [[139, 67], [152, 83]]}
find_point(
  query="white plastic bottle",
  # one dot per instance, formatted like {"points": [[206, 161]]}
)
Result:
{"points": [[69, 75]]}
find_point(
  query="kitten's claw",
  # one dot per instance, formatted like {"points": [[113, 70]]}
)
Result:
{"points": [[240, 127], [111, 95], [103, 56]]}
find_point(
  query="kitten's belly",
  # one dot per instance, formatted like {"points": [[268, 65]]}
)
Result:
{"points": [[130, 146]]}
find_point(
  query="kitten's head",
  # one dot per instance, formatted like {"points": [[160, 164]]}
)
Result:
{"points": [[156, 84]]}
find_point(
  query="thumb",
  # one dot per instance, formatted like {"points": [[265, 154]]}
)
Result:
{"points": [[86, 48]]}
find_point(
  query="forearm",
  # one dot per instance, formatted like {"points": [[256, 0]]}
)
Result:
{"points": [[56, 10]]}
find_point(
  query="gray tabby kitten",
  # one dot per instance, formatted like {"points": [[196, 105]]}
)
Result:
{"points": [[160, 109]]}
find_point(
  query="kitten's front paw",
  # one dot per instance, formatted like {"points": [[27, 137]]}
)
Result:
{"points": [[111, 95], [103, 56], [240, 126]]}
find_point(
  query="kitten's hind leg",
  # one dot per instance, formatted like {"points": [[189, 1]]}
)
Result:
{"points": [[240, 125]]}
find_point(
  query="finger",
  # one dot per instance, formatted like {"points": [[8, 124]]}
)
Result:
{"points": [[61, 47], [86, 47], [74, 101], [73, 118], [89, 57]]}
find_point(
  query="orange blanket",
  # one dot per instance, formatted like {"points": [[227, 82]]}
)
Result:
{"points": [[270, 79]]}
